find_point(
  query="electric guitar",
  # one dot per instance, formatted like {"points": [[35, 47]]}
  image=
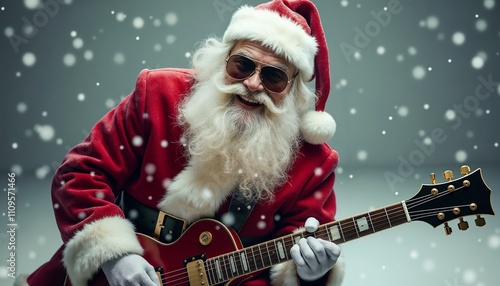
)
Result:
{"points": [[209, 253]]}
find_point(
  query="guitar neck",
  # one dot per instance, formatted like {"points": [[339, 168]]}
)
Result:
{"points": [[266, 254]]}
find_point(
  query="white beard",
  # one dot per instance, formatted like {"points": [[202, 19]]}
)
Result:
{"points": [[231, 149]]}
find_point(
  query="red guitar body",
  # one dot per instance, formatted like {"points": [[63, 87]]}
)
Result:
{"points": [[206, 237]]}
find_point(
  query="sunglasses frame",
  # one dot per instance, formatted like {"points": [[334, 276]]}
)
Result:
{"points": [[260, 72]]}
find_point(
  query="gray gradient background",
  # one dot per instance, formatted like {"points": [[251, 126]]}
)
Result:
{"points": [[384, 114]]}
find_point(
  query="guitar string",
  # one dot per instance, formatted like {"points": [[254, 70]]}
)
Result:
{"points": [[430, 197], [426, 198], [375, 219], [420, 216], [226, 265], [411, 203], [320, 232], [225, 262]]}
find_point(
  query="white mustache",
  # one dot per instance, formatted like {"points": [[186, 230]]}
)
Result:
{"points": [[240, 89]]}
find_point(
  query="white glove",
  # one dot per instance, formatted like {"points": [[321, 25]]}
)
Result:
{"points": [[314, 257], [130, 269]]}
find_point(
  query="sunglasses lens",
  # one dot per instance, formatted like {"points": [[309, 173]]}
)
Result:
{"points": [[240, 67], [274, 79]]}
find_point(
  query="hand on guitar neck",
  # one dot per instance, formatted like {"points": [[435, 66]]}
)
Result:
{"points": [[314, 257]]}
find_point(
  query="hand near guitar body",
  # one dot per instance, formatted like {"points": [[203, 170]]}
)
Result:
{"points": [[130, 269], [314, 257]]}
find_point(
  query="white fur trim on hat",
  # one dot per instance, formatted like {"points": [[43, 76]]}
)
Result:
{"points": [[317, 126], [281, 34], [96, 243]]}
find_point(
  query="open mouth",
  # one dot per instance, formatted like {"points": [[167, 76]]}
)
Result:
{"points": [[247, 101]]}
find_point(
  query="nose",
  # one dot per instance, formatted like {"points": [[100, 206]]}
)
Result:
{"points": [[253, 82]]}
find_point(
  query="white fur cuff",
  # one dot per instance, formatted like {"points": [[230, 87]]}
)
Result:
{"points": [[286, 274], [97, 243]]}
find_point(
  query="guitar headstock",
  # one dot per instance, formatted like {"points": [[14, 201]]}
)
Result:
{"points": [[437, 204]]}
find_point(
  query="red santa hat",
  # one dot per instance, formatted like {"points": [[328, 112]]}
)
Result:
{"points": [[292, 28]]}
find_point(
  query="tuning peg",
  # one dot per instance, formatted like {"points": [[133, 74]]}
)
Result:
{"points": [[480, 221], [463, 225], [433, 178], [464, 170], [447, 229], [448, 175]]}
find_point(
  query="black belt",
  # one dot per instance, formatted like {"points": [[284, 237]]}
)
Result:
{"points": [[151, 222]]}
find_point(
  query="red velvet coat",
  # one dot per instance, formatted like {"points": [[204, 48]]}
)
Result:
{"points": [[136, 147]]}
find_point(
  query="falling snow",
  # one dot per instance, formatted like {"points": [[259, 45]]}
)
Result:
{"points": [[29, 59], [416, 75], [458, 38], [137, 141]]}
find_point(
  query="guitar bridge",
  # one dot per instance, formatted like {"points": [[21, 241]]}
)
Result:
{"points": [[196, 272]]}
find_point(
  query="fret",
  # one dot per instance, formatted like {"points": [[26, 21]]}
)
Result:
{"points": [[323, 235], [241, 262], [282, 252], [288, 241], [214, 271], [380, 221], [224, 266], [261, 257], [238, 263], [355, 228], [387, 215], [362, 224], [227, 265], [275, 252], [394, 215], [269, 254], [296, 237], [341, 232], [253, 258], [371, 222], [334, 232], [349, 229], [244, 261], [209, 270], [218, 270], [233, 266], [328, 232], [257, 257]]}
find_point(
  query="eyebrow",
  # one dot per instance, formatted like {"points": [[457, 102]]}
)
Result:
{"points": [[280, 66]]}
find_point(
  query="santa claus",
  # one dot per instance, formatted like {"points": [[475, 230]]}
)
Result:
{"points": [[187, 144]]}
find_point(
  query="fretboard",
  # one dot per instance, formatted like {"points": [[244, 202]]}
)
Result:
{"points": [[264, 255]]}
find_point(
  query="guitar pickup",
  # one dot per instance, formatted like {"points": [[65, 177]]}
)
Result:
{"points": [[195, 268]]}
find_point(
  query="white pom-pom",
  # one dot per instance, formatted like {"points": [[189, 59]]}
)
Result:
{"points": [[317, 126]]}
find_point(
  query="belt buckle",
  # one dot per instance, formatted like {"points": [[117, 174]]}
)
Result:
{"points": [[160, 223]]}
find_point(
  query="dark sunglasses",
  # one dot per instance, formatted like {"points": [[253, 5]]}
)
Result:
{"points": [[273, 78]]}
